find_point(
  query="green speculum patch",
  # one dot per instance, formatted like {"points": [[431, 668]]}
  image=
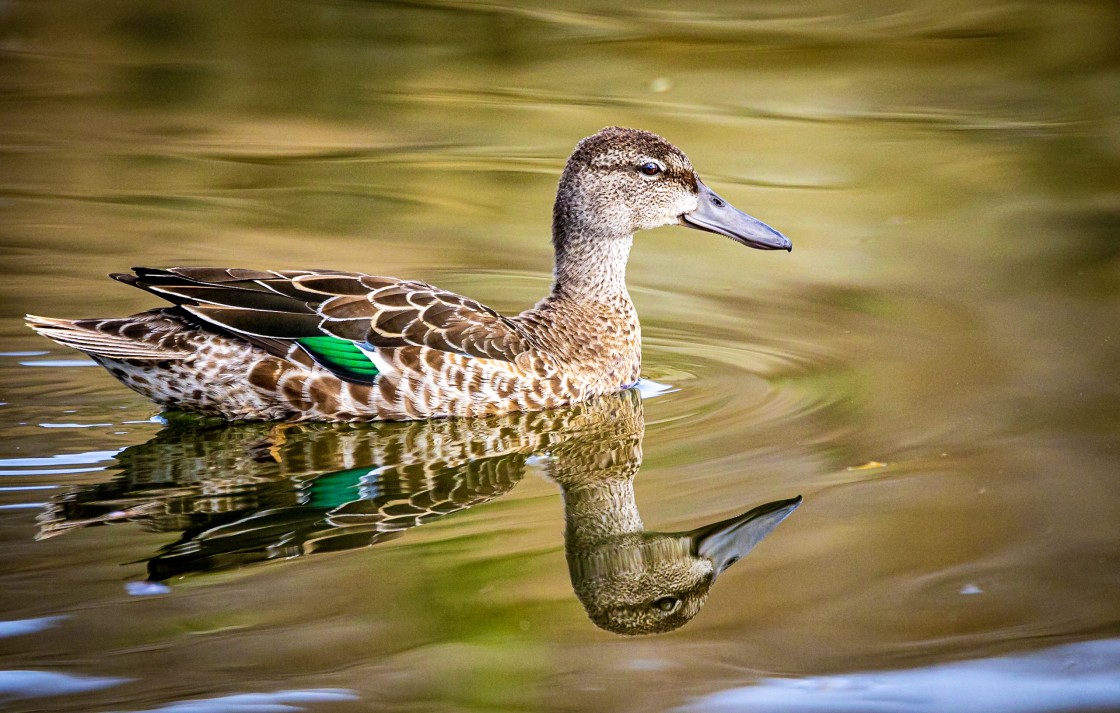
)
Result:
{"points": [[341, 356]]}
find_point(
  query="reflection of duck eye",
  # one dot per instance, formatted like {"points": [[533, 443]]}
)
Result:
{"points": [[667, 604], [650, 168]]}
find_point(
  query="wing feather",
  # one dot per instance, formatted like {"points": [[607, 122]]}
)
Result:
{"points": [[259, 323], [384, 312]]}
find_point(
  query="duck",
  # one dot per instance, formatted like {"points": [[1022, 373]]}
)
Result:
{"points": [[326, 345]]}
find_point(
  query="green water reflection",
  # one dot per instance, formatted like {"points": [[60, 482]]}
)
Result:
{"points": [[933, 367]]}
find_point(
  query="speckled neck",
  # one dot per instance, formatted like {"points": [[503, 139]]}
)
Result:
{"points": [[591, 239]]}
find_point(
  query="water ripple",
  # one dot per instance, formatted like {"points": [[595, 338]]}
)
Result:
{"points": [[18, 685], [813, 113], [1078, 676], [275, 702], [22, 627], [61, 464]]}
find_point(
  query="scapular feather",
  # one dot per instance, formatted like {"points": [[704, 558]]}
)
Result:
{"points": [[348, 307], [355, 330], [280, 325], [235, 297], [394, 323], [331, 284]]}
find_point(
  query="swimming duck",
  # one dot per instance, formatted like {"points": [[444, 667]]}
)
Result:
{"points": [[314, 345]]}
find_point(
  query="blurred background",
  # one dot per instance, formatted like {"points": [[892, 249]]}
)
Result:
{"points": [[933, 367]]}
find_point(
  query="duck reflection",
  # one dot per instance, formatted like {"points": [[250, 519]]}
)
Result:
{"points": [[629, 580], [255, 492]]}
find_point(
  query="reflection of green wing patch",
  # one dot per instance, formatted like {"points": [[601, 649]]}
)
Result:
{"points": [[335, 489], [342, 357]]}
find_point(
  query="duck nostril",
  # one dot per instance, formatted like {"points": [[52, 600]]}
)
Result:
{"points": [[718, 203]]}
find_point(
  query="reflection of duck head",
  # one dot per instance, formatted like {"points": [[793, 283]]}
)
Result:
{"points": [[631, 581], [653, 582]]}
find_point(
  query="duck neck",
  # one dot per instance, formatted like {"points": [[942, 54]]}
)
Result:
{"points": [[591, 253], [597, 477], [599, 513]]}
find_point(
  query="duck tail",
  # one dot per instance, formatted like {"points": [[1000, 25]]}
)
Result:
{"points": [[106, 338]]}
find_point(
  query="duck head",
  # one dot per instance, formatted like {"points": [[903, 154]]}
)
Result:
{"points": [[619, 181]]}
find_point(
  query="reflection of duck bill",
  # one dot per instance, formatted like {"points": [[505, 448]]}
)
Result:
{"points": [[727, 541]]}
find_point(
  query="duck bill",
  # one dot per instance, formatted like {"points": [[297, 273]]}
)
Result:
{"points": [[716, 215], [728, 541]]}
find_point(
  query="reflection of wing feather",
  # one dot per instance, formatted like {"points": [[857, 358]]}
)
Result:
{"points": [[254, 493]]}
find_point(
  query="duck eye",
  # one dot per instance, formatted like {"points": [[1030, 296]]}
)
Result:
{"points": [[650, 168], [666, 604]]}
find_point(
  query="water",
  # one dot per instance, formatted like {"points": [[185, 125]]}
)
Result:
{"points": [[932, 368]]}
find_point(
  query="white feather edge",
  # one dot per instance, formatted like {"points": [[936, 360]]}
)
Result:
{"points": [[384, 366]]}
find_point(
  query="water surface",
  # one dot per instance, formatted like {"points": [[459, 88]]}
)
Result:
{"points": [[932, 368]]}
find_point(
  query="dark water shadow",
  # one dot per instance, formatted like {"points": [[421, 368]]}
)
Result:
{"points": [[256, 492]]}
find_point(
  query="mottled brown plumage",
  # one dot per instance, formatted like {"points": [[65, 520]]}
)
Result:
{"points": [[340, 346]]}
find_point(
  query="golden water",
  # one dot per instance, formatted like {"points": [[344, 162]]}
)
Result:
{"points": [[933, 367]]}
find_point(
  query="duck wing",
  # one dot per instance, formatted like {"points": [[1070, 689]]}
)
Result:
{"points": [[333, 315]]}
